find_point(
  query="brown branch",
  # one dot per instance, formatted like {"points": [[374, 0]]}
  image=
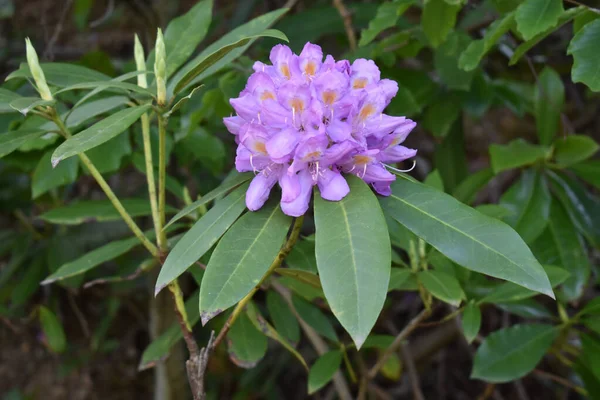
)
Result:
{"points": [[412, 325], [560, 380], [347, 17], [412, 372], [196, 368]]}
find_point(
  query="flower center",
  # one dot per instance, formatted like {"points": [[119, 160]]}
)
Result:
{"points": [[359, 83], [361, 160], [285, 70], [310, 68], [267, 95], [329, 97], [366, 112]]}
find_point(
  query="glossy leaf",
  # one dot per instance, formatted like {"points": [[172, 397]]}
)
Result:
{"points": [[548, 102], [26, 104], [98, 133], [477, 242], [241, 259], [580, 204], [535, 16], [471, 321], [211, 59], [301, 276], [323, 369], [92, 109], [61, 74], [201, 237], [527, 308], [446, 62], [573, 256], [283, 318], [94, 210], [587, 170], [516, 154], [246, 344], [53, 330], [449, 157], [236, 180], [586, 60], [441, 115], [6, 97], [474, 53], [386, 17], [314, 318], [249, 29], [513, 352], [111, 84], [466, 191], [108, 156], [45, 177], [303, 256], [529, 202], [11, 141], [437, 20], [442, 286], [574, 149], [306, 291], [352, 241], [402, 279]]}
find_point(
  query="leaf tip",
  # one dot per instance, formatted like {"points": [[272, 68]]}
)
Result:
{"points": [[206, 316], [54, 161]]}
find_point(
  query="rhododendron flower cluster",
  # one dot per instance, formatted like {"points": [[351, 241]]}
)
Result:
{"points": [[303, 122]]}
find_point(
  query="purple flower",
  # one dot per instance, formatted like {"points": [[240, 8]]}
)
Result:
{"points": [[303, 122]]}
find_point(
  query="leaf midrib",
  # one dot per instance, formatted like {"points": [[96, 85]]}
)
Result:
{"points": [[354, 266], [463, 233]]}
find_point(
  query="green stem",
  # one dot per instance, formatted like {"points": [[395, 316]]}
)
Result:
{"points": [[162, 170], [150, 175], [285, 250], [108, 191]]}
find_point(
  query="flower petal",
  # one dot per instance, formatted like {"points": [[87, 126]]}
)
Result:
{"points": [[259, 190], [333, 185], [299, 205]]}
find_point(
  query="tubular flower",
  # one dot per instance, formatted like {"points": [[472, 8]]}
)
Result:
{"points": [[303, 122]]}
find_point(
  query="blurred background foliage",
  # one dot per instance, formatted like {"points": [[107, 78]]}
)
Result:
{"points": [[507, 132]]}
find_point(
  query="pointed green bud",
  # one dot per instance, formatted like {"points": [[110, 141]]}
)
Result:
{"points": [[160, 69], [36, 71], [140, 62]]}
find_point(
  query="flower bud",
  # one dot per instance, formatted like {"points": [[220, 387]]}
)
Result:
{"points": [[160, 69], [36, 71], [140, 62]]}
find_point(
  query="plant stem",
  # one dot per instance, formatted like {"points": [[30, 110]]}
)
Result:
{"points": [[182, 317], [162, 170], [285, 249], [150, 175], [412, 325], [108, 191]]}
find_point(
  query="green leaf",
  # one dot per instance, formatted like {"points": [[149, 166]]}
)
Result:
{"points": [[95, 210], [352, 241], [101, 88], [309, 292], [11, 141], [573, 256], [283, 318], [527, 308], [442, 286], [61, 74], [474, 53], [434, 179], [201, 237], [468, 238], [6, 97], [513, 352], [303, 256], [158, 350], [235, 181], [582, 19], [516, 154], [449, 157], [26, 104], [45, 177], [386, 17], [93, 259], [98, 133], [471, 321], [441, 115], [549, 101], [246, 344], [249, 29], [529, 202], [446, 62], [564, 18], [587, 170], [81, 114], [314, 318], [402, 279], [101, 85], [211, 59], [53, 330], [535, 16], [183, 34], [593, 307], [29, 282], [437, 20], [586, 60], [301, 276], [107, 157], [241, 259], [181, 102], [323, 370], [573, 149], [581, 205], [466, 191]]}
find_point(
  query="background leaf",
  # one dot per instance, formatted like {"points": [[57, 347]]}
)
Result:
{"points": [[323, 370], [53, 330], [549, 102], [586, 61], [535, 16]]}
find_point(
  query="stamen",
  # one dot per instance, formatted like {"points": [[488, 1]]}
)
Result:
{"points": [[402, 170], [364, 171], [252, 164], [259, 121], [294, 116]]}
